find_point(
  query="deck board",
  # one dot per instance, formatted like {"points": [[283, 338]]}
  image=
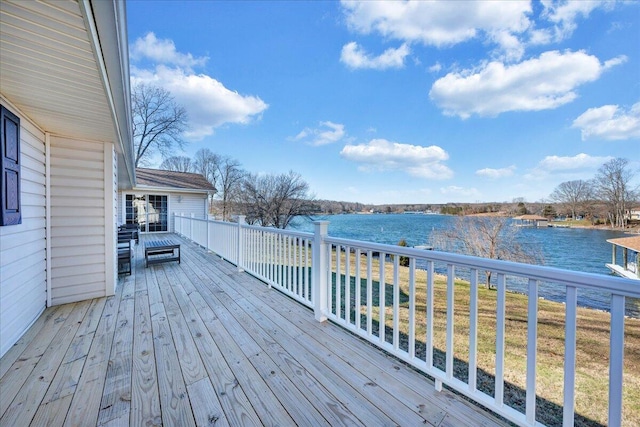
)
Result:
{"points": [[200, 343]]}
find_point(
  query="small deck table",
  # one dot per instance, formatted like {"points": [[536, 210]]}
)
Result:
{"points": [[157, 251]]}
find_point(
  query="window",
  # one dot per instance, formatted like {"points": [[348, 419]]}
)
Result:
{"points": [[149, 211], [10, 211]]}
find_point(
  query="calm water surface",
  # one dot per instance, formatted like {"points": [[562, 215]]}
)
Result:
{"points": [[576, 249]]}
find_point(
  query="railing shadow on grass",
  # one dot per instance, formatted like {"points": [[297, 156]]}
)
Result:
{"points": [[547, 412]]}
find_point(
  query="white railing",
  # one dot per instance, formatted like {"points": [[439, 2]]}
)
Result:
{"points": [[389, 295]]}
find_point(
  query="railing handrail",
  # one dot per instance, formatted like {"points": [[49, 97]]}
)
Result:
{"points": [[613, 284], [293, 233]]}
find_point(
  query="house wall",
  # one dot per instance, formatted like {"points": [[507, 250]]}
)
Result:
{"points": [[82, 220], [195, 204], [23, 283], [178, 202]]}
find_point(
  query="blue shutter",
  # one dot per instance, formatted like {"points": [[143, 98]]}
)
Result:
{"points": [[10, 211]]}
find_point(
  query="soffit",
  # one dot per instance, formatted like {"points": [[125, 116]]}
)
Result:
{"points": [[49, 71]]}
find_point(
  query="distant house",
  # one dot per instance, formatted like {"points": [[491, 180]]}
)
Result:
{"points": [[159, 194], [531, 221], [629, 265], [634, 213]]}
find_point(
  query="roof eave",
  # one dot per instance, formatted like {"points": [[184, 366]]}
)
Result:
{"points": [[106, 23], [139, 187]]}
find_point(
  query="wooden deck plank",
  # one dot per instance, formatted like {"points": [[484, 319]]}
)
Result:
{"points": [[237, 377], [116, 397], [340, 387], [366, 390], [66, 380], [15, 377], [145, 396], [12, 355], [86, 400], [235, 404], [206, 407], [174, 402], [191, 364], [298, 407], [52, 413], [28, 399]]}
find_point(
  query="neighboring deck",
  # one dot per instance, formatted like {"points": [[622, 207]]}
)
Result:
{"points": [[199, 343]]}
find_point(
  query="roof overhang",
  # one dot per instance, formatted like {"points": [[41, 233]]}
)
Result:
{"points": [[149, 189], [65, 66], [632, 242]]}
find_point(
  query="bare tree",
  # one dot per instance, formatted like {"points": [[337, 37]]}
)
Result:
{"points": [[206, 162], [613, 186], [230, 176], [573, 194], [486, 237], [158, 122], [177, 164], [274, 200]]}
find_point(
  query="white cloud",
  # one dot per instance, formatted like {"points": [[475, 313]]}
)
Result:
{"points": [[615, 61], [435, 68], [354, 56], [609, 122], [579, 166], [496, 173], [327, 133], [163, 51], [542, 83], [441, 23], [416, 160], [564, 14], [208, 102]]}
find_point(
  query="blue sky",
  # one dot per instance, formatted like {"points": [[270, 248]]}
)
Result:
{"points": [[402, 102]]}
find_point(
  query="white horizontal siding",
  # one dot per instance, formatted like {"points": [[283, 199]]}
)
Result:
{"points": [[189, 204], [23, 246], [78, 221]]}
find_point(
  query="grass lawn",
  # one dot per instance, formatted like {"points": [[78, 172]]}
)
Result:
{"points": [[592, 367]]}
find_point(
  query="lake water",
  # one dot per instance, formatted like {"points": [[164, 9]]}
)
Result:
{"points": [[576, 249]]}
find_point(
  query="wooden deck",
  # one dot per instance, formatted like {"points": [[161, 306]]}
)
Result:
{"points": [[199, 343]]}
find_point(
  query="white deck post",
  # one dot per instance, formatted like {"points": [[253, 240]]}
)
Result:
{"points": [[319, 270], [241, 222]]}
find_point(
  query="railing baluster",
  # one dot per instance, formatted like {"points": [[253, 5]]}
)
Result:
{"points": [[289, 247], [300, 267], [532, 350], [412, 307], [369, 293], [330, 278], [473, 330], [347, 285], [290, 264], [616, 359], [381, 298], [338, 281], [306, 270], [500, 328], [450, 319], [396, 302], [570, 356], [358, 302], [430, 272]]}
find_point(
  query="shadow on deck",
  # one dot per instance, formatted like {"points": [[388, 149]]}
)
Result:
{"points": [[199, 343]]}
